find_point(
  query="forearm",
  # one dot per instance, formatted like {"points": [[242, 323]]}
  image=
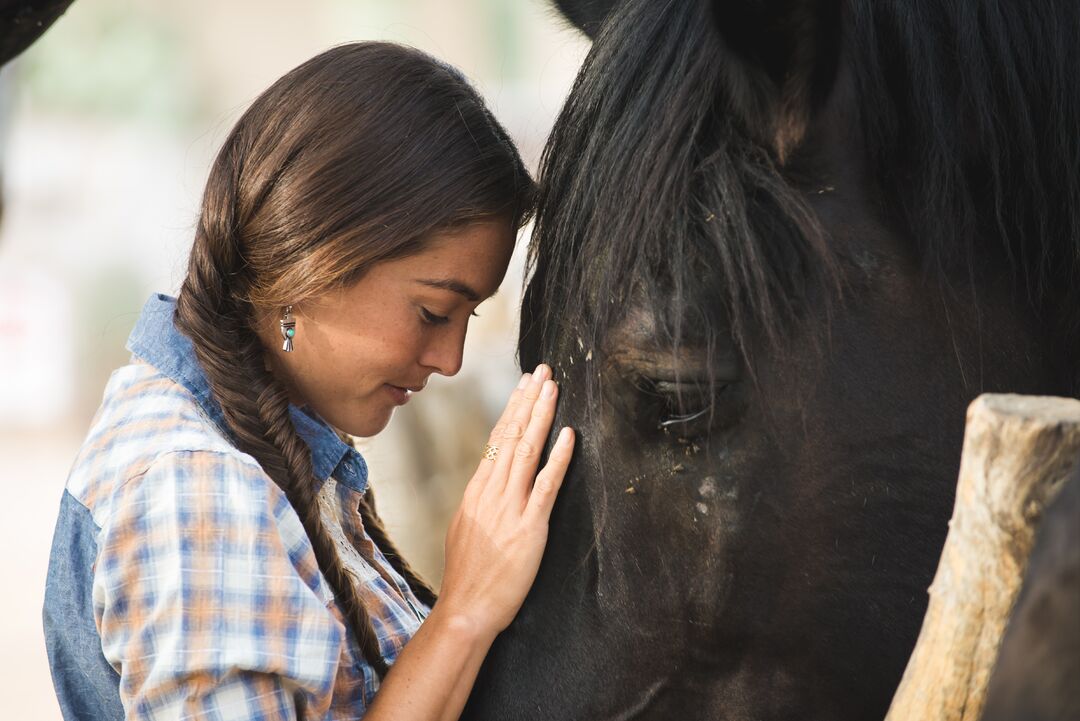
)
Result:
{"points": [[432, 677]]}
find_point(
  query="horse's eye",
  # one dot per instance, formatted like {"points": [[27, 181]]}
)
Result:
{"points": [[686, 407], [675, 394]]}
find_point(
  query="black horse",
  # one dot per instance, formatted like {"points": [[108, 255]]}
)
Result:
{"points": [[780, 247], [24, 21], [21, 23], [1035, 678]]}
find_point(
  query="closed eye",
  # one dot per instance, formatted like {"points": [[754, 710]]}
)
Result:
{"points": [[670, 390], [677, 420], [432, 319], [690, 407], [681, 402]]}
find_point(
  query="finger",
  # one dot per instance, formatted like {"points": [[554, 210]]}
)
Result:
{"points": [[508, 412], [527, 452], [514, 429], [485, 467], [551, 476]]}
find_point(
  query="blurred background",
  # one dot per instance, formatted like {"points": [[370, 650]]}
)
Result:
{"points": [[108, 125]]}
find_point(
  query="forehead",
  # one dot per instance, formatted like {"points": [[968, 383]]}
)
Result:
{"points": [[469, 261]]}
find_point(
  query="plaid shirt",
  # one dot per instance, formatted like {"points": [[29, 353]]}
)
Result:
{"points": [[182, 584]]}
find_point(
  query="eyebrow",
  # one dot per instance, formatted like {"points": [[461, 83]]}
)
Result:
{"points": [[455, 286]]}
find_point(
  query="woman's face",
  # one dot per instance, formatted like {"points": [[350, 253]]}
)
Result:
{"points": [[361, 351]]}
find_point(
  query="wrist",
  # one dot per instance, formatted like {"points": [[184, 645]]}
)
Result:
{"points": [[466, 628]]}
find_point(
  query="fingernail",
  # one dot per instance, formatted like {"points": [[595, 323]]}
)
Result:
{"points": [[541, 371], [564, 436], [524, 380], [548, 390]]}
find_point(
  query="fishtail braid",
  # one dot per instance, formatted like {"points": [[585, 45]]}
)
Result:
{"points": [[321, 179], [256, 407]]}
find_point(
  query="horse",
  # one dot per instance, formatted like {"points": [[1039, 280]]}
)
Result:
{"points": [[780, 246], [20, 25], [24, 22], [1039, 660]]}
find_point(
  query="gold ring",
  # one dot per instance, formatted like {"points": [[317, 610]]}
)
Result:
{"points": [[490, 452]]}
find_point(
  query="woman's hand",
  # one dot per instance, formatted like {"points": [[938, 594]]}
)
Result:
{"points": [[493, 550], [497, 536]]}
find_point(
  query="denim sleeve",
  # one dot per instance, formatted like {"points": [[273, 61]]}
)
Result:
{"points": [[86, 685]]}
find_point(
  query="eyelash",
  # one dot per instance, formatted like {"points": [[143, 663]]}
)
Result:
{"points": [[432, 319]]}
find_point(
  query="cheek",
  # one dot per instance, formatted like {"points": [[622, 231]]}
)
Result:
{"points": [[327, 374], [376, 359], [388, 358], [338, 364]]}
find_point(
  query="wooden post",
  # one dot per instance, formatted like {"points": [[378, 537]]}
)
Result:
{"points": [[1018, 451]]}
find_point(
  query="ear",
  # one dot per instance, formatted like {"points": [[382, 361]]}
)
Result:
{"points": [[795, 44], [586, 15], [21, 23]]}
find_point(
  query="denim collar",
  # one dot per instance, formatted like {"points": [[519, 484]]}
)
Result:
{"points": [[158, 341]]}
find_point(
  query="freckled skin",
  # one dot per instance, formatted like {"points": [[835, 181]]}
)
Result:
{"points": [[350, 343]]}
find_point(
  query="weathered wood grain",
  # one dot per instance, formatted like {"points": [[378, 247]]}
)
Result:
{"points": [[1018, 451]]}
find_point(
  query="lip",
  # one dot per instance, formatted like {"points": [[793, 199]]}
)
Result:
{"points": [[401, 394]]}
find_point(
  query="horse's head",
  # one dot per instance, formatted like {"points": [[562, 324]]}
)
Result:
{"points": [[780, 247]]}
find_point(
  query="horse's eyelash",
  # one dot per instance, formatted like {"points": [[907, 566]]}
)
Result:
{"points": [[685, 418]]}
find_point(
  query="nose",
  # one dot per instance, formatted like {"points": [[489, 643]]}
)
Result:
{"points": [[444, 353]]}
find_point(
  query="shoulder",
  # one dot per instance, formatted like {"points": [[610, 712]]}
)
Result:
{"points": [[207, 504], [149, 427]]}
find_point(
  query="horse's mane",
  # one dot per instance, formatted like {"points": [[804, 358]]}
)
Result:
{"points": [[656, 170], [970, 111], [644, 178]]}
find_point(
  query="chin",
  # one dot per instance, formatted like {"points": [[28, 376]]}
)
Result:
{"points": [[367, 427]]}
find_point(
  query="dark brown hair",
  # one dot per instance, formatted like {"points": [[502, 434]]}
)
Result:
{"points": [[353, 158]]}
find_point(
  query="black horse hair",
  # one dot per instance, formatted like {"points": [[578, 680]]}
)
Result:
{"points": [[970, 112], [644, 178], [659, 169]]}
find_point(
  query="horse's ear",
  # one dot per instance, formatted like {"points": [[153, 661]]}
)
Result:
{"points": [[587, 15], [21, 23], [795, 43]]}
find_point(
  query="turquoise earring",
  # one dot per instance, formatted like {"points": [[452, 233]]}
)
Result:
{"points": [[288, 330]]}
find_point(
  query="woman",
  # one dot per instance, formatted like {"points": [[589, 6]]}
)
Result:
{"points": [[217, 553]]}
